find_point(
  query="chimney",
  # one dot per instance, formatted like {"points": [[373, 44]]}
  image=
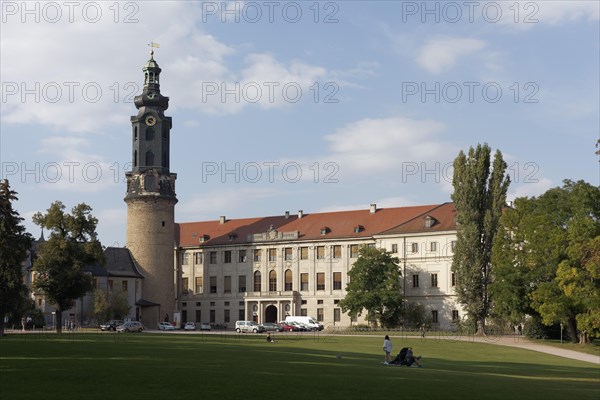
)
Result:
{"points": [[222, 219], [300, 214], [287, 215], [373, 208]]}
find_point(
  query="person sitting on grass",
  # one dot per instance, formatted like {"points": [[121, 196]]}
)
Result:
{"points": [[269, 338], [406, 357]]}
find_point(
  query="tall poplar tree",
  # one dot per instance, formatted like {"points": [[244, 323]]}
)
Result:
{"points": [[479, 198], [14, 244], [72, 244]]}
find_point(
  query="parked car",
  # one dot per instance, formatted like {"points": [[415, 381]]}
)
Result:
{"points": [[269, 327], [205, 327], [131, 326], [189, 326], [246, 326], [111, 325], [166, 326], [288, 327]]}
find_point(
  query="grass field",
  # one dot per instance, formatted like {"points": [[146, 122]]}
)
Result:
{"points": [[196, 366]]}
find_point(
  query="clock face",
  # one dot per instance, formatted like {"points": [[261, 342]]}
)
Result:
{"points": [[150, 120], [151, 95]]}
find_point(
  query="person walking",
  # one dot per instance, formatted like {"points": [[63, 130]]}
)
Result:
{"points": [[387, 348]]}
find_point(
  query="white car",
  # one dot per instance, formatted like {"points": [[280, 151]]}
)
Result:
{"points": [[190, 326], [165, 326]]}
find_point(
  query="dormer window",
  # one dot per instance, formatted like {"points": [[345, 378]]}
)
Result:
{"points": [[429, 221], [203, 238], [359, 228], [232, 236], [325, 230]]}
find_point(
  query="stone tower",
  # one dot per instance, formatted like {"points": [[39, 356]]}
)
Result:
{"points": [[151, 201]]}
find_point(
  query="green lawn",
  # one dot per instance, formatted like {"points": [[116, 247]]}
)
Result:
{"points": [[195, 366]]}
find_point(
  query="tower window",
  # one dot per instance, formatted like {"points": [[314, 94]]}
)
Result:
{"points": [[163, 223], [135, 133], [135, 158], [149, 158]]}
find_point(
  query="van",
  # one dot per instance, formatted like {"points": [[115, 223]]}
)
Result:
{"points": [[310, 322], [246, 326]]}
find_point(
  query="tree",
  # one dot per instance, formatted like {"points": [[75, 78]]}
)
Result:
{"points": [[119, 304], [558, 265], [15, 242], [101, 306], [374, 286], [72, 244], [479, 198]]}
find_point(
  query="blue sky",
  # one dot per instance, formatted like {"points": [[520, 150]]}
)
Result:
{"points": [[282, 106]]}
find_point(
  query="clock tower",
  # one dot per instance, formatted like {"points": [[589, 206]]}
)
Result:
{"points": [[151, 201]]}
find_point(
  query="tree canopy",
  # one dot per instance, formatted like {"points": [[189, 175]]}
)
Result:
{"points": [[375, 286], [72, 244], [548, 259], [15, 242], [479, 198]]}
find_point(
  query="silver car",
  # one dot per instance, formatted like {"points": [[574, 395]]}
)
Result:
{"points": [[131, 326]]}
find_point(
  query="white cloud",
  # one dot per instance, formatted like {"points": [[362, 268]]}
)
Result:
{"points": [[534, 188], [442, 53], [559, 12]]}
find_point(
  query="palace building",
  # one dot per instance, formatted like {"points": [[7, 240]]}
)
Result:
{"points": [[267, 268]]}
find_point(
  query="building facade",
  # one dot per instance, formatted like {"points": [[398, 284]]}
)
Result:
{"points": [[264, 269]]}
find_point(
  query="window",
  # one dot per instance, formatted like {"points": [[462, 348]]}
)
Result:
{"points": [[272, 281], [394, 248], [257, 286], [39, 301], [453, 245], [124, 285], [272, 254], [304, 253], [434, 280], [227, 256], [337, 281], [257, 255], [455, 316], [288, 280], [212, 316], [226, 317], [185, 258], [213, 284], [287, 253], [95, 283], [198, 304], [198, 316], [336, 301], [303, 302], [241, 256], [320, 281], [213, 257], [336, 315], [353, 251], [453, 279], [303, 312], [429, 222], [320, 252], [414, 247], [241, 314], [319, 314], [337, 251], [415, 280], [198, 258], [303, 282], [433, 246], [319, 301], [227, 284], [110, 284], [434, 316], [199, 285], [184, 285], [241, 283]]}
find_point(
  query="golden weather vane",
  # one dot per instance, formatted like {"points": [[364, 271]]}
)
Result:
{"points": [[153, 46]]}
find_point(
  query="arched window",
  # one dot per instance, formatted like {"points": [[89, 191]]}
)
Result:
{"points": [[149, 158], [257, 286], [135, 158], [288, 280], [272, 281], [135, 133]]}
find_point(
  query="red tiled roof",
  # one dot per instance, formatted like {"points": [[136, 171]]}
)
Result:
{"points": [[341, 225]]}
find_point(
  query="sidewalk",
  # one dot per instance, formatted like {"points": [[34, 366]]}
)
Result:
{"points": [[522, 342]]}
